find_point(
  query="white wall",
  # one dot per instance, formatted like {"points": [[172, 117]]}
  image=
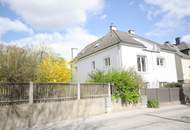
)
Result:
{"points": [[84, 65], [123, 56], [186, 69], [154, 74], [183, 69], [179, 68]]}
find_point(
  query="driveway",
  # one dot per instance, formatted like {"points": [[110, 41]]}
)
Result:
{"points": [[166, 118]]}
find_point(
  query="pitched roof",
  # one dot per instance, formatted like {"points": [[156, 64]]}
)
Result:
{"points": [[115, 37], [178, 51], [161, 46], [183, 46]]}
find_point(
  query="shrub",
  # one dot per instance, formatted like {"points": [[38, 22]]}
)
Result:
{"points": [[127, 83], [29, 64], [172, 85], [152, 103], [17, 64], [53, 69]]}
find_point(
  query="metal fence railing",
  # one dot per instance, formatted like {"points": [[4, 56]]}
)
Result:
{"points": [[54, 91], [44, 92], [166, 94], [13, 92], [93, 90]]}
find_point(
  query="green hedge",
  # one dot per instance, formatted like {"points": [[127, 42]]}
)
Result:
{"points": [[173, 85]]}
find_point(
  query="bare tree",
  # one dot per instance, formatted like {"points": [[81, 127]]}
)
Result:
{"points": [[17, 64]]}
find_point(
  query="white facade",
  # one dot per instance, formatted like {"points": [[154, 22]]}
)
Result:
{"points": [[183, 67], [124, 56], [85, 67], [154, 74], [186, 70]]}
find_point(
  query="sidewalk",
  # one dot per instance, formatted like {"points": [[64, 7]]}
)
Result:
{"points": [[122, 115]]}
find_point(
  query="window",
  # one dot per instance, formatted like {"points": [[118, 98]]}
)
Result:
{"points": [[162, 84], [141, 63], [107, 61], [160, 61], [93, 65], [146, 85]]}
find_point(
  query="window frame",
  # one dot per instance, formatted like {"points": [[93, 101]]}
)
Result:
{"points": [[107, 62], [158, 61], [162, 84], [93, 65], [140, 66]]}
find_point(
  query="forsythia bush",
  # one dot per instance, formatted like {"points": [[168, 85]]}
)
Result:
{"points": [[53, 69]]}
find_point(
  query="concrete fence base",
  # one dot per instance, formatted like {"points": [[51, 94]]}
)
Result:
{"points": [[26, 116], [117, 105]]}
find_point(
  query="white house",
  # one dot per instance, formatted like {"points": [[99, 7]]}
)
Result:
{"points": [[123, 50]]}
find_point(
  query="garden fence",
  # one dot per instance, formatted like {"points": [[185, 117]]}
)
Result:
{"points": [[11, 93], [166, 94]]}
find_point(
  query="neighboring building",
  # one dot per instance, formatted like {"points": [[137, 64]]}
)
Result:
{"points": [[183, 46], [123, 50], [182, 60]]}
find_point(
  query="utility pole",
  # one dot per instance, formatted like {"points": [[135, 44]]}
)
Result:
{"points": [[72, 56]]}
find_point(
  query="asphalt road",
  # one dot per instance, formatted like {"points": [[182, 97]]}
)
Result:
{"points": [[166, 118]]}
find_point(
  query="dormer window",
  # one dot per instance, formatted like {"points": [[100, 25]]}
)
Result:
{"points": [[96, 45]]}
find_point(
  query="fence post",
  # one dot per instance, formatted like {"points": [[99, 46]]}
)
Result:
{"points": [[78, 91], [31, 92], [169, 94], [109, 90], [108, 103], [145, 91], [157, 95]]}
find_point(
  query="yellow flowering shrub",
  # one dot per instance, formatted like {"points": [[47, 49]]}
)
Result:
{"points": [[53, 69]]}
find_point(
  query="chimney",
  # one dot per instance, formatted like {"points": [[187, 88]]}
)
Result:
{"points": [[167, 42], [113, 27], [131, 31], [177, 40]]}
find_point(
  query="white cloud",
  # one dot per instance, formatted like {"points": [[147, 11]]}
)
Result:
{"points": [[7, 25], [60, 43], [179, 8], [104, 16], [54, 14], [186, 38], [54, 17], [168, 26], [131, 3], [173, 15]]}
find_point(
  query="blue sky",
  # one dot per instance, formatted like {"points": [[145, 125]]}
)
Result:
{"points": [[63, 24]]}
